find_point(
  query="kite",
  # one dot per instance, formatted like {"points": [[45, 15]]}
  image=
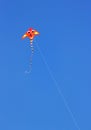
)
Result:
{"points": [[31, 33]]}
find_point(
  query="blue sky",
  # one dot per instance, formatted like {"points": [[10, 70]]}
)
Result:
{"points": [[33, 101]]}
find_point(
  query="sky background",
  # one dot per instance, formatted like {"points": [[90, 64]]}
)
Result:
{"points": [[33, 101]]}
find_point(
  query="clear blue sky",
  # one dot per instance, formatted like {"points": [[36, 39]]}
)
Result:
{"points": [[32, 101]]}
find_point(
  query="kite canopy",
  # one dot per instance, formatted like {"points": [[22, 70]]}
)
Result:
{"points": [[31, 33]]}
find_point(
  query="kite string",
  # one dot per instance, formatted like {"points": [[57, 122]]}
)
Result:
{"points": [[57, 87]]}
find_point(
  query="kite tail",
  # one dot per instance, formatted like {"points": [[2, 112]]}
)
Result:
{"points": [[32, 48], [32, 52]]}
